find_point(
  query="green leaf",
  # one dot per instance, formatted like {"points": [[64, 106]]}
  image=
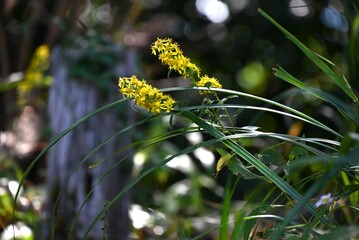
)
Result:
{"points": [[249, 224], [347, 232], [238, 169], [293, 112], [342, 107], [222, 162], [261, 167], [297, 153], [272, 156], [223, 100], [135, 180], [221, 151], [348, 189], [9, 84], [238, 225], [95, 164], [226, 207], [353, 48], [238, 111], [208, 84], [349, 141], [338, 80]]}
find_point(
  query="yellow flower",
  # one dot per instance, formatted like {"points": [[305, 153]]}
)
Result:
{"points": [[209, 82], [145, 95], [170, 54], [167, 104], [150, 98], [35, 76]]}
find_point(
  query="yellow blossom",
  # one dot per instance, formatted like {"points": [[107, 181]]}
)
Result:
{"points": [[145, 95], [35, 76], [209, 82], [170, 54]]}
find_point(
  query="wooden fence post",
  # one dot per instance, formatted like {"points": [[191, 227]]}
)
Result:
{"points": [[69, 100]]}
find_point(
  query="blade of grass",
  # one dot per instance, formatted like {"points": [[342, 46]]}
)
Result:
{"points": [[315, 123], [226, 206], [261, 167], [204, 234], [339, 81], [337, 167], [146, 143], [142, 175], [55, 140], [343, 108], [232, 92], [345, 232], [354, 49], [238, 225], [307, 196], [250, 221]]}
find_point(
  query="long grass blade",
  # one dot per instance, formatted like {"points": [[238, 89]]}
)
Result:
{"points": [[261, 167], [310, 121], [274, 103], [339, 81], [226, 206], [56, 139], [146, 143], [142, 175], [343, 108], [338, 166]]}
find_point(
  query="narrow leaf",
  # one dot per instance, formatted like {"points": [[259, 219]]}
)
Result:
{"points": [[222, 162], [95, 164], [342, 107], [238, 111], [347, 232], [238, 169], [221, 151], [339, 81], [261, 167]]}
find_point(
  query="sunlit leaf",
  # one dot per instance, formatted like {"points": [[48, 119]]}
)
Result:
{"points": [[338, 80], [222, 162]]}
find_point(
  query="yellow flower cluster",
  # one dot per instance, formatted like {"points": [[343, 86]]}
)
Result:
{"points": [[170, 54], [145, 95], [209, 82], [35, 75], [150, 97]]}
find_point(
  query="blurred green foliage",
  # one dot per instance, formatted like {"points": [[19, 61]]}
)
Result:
{"points": [[94, 58], [29, 203], [240, 51]]}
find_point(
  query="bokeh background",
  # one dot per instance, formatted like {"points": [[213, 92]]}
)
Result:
{"points": [[97, 41]]}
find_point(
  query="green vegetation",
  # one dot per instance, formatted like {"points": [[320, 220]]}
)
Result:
{"points": [[299, 181]]}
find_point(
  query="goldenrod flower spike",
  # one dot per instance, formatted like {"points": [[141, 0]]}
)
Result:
{"points": [[145, 95], [170, 54]]}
